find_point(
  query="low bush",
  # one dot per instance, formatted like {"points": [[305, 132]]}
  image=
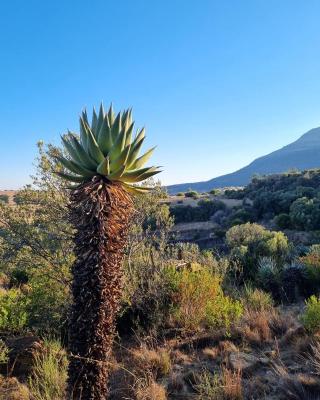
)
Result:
{"points": [[4, 198], [198, 300], [283, 221], [48, 301], [311, 316], [250, 242], [256, 299], [13, 314], [311, 263], [192, 193]]}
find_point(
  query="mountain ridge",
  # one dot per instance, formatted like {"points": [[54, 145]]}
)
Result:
{"points": [[303, 153]]}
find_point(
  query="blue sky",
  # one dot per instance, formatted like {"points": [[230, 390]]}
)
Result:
{"points": [[216, 83]]}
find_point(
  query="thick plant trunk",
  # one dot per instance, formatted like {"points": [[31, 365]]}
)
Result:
{"points": [[100, 213]]}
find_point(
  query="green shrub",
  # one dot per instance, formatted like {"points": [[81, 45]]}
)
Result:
{"points": [[311, 264], [192, 193], [223, 312], [256, 299], [13, 314], [4, 198], [305, 213], [311, 316], [250, 242], [48, 301], [180, 194], [198, 300], [49, 373], [283, 221]]}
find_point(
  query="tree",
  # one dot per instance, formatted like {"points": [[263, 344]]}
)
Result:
{"points": [[104, 164]]}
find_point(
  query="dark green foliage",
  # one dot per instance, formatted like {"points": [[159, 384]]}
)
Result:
{"points": [[283, 221], [237, 194], [240, 216], [292, 198], [18, 198], [305, 213], [202, 212], [4, 198], [192, 194]]}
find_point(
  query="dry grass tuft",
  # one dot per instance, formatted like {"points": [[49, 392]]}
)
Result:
{"points": [[176, 383], [297, 386], [315, 357], [232, 387], [156, 361], [255, 328], [226, 347], [280, 323], [211, 353], [147, 389], [12, 389]]}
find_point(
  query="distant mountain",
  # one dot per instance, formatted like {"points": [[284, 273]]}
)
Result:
{"points": [[302, 154]]}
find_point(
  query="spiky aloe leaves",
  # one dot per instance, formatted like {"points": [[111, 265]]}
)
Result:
{"points": [[106, 148]]}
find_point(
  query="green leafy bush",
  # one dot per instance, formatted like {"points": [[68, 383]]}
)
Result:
{"points": [[13, 314], [198, 300], [192, 193], [48, 301], [283, 221], [4, 198], [305, 213], [311, 263], [311, 316], [250, 242]]}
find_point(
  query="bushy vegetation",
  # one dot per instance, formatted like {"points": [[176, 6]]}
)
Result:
{"points": [[4, 198], [192, 193], [202, 212], [172, 292], [250, 242], [198, 300], [311, 316], [292, 199]]}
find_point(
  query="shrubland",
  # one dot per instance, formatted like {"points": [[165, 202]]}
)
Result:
{"points": [[192, 324]]}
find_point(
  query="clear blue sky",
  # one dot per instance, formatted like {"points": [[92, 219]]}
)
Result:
{"points": [[217, 83]]}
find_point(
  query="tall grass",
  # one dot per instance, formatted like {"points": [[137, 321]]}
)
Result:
{"points": [[49, 373]]}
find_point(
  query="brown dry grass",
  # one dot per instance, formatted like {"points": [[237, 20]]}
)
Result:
{"points": [[255, 327], [157, 361], [12, 389], [232, 387], [148, 389]]}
